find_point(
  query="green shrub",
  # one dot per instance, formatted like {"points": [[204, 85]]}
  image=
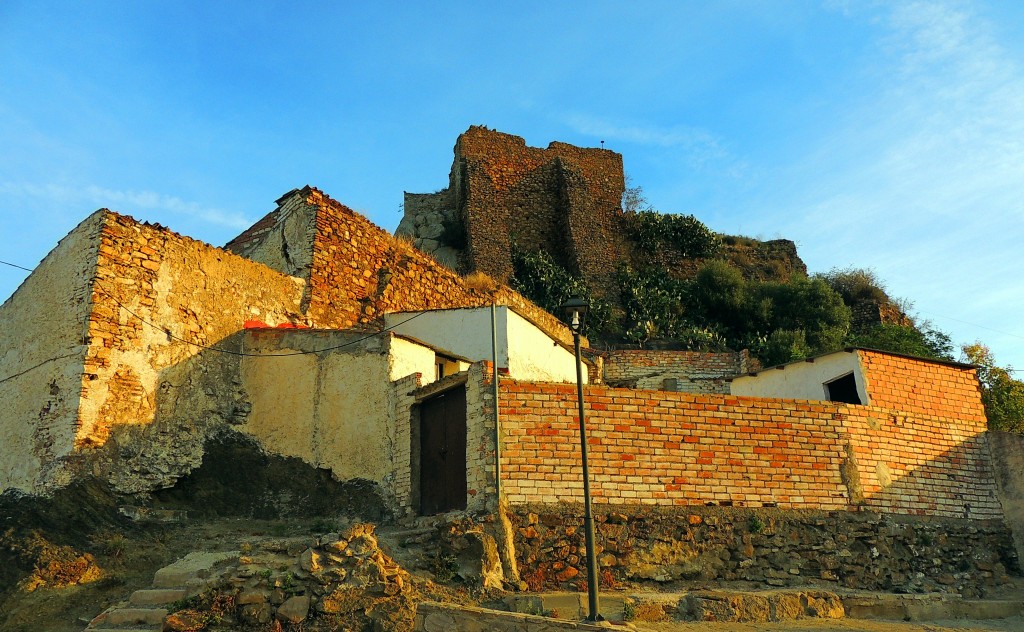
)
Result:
{"points": [[1002, 395], [780, 346], [855, 285], [539, 278], [654, 303], [684, 234], [810, 306]]}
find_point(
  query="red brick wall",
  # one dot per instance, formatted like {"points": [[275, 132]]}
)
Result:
{"points": [[682, 449], [922, 386]]}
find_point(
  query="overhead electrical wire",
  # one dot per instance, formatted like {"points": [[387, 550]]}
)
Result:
{"points": [[168, 333], [171, 335]]}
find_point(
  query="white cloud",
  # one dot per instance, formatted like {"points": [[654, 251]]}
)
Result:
{"points": [[124, 201], [699, 145]]}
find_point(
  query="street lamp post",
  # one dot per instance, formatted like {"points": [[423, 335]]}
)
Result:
{"points": [[576, 309]]}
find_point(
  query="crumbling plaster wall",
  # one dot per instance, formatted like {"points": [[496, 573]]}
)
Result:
{"points": [[282, 240], [152, 383], [43, 329], [324, 396]]}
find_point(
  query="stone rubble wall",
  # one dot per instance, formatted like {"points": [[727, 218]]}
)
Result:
{"points": [[769, 547], [668, 448], [433, 223], [562, 199], [923, 386], [692, 371], [43, 347]]}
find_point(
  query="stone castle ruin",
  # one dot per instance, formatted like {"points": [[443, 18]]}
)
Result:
{"points": [[563, 200], [322, 339]]}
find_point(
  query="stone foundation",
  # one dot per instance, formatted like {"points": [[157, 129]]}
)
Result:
{"points": [[689, 547]]}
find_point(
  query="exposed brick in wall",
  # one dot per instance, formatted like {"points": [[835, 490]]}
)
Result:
{"points": [[149, 303], [922, 386], [42, 349], [402, 396], [480, 437], [680, 449], [690, 371]]}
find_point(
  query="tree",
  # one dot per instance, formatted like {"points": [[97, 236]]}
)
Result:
{"points": [[633, 198], [1002, 395]]}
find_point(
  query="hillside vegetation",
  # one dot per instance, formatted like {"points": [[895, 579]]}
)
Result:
{"points": [[690, 288]]}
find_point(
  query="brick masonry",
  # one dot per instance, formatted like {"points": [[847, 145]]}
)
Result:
{"points": [[920, 386], [664, 448]]}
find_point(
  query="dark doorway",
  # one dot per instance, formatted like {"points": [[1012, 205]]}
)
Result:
{"points": [[843, 389], [443, 452]]}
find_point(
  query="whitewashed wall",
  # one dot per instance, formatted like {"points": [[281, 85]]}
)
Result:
{"points": [[802, 380]]}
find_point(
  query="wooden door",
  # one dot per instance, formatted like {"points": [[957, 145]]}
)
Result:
{"points": [[443, 452]]}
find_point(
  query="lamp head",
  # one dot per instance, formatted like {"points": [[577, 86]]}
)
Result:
{"points": [[576, 310]]}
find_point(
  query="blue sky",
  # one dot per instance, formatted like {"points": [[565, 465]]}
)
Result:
{"points": [[882, 135]]}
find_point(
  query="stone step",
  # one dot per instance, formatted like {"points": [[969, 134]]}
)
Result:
{"points": [[191, 567], [157, 596]]}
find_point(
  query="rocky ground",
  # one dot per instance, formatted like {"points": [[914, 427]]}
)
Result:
{"points": [[65, 561]]}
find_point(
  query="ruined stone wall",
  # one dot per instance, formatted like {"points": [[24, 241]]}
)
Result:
{"points": [[43, 338], [563, 199], [158, 300], [868, 314], [685, 371], [282, 240], [770, 547], [923, 386], [680, 449], [358, 271]]}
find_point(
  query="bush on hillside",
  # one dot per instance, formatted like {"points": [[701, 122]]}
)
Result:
{"points": [[855, 285]]}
